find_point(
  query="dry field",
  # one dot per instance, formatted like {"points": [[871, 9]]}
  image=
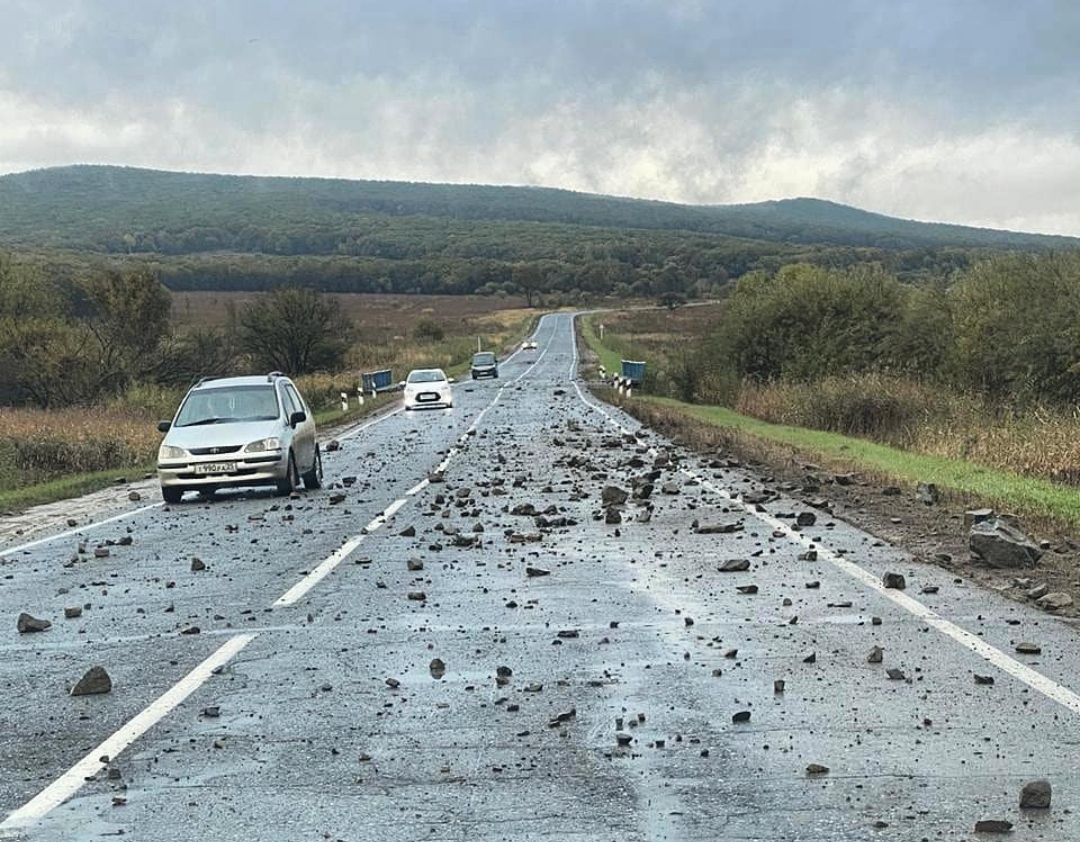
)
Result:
{"points": [[382, 315]]}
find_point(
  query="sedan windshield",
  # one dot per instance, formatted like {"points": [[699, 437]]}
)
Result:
{"points": [[222, 406], [428, 376]]}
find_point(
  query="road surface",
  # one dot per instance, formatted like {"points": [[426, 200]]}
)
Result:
{"points": [[467, 635]]}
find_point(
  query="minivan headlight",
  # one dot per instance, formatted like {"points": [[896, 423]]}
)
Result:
{"points": [[167, 451], [263, 445]]}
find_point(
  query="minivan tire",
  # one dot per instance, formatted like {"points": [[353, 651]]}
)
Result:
{"points": [[291, 481], [313, 478]]}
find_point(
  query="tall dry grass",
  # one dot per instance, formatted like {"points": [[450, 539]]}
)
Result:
{"points": [[927, 419], [37, 445]]}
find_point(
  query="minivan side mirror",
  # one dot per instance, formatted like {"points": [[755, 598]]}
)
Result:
{"points": [[298, 417], [451, 380], [163, 426]]}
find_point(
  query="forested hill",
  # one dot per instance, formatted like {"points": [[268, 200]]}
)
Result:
{"points": [[128, 210]]}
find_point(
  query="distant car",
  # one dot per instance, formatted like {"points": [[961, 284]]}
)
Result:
{"points": [[528, 345], [427, 387], [239, 432], [484, 364]]}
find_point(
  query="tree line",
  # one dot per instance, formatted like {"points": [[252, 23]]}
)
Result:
{"points": [[1008, 328], [86, 341]]}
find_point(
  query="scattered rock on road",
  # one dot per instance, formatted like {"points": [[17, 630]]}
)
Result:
{"points": [[1035, 795], [999, 543], [894, 581], [993, 826], [94, 682], [26, 624], [735, 565], [1054, 601], [612, 495]]}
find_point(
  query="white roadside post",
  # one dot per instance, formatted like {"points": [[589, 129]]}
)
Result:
{"points": [[344, 401], [360, 394]]}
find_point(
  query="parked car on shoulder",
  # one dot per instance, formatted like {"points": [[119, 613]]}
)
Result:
{"points": [[232, 432], [427, 387], [484, 364]]}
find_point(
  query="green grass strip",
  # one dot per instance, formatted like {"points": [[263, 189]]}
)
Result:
{"points": [[65, 488], [611, 361], [1002, 489]]}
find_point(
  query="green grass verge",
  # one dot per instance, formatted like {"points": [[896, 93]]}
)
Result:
{"points": [[608, 358], [1006, 491], [65, 488]]}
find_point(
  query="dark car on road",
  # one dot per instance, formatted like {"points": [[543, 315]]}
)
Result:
{"points": [[484, 364]]}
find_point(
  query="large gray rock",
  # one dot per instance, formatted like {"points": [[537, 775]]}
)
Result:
{"points": [[1054, 601], [612, 495], [1001, 544], [27, 624], [1035, 795], [95, 681]]}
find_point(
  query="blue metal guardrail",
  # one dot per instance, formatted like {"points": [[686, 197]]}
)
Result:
{"points": [[372, 382], [633, 371]]}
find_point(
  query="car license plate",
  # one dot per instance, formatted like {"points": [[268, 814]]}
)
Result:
{"points": [[215, 468]]}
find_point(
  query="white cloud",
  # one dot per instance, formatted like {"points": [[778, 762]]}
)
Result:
{"points": [[693, 101]]}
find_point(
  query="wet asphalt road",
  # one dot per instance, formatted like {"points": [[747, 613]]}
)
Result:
{"points": [[308, 706]]}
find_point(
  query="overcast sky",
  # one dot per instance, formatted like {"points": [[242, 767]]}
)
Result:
{"points": [[963, 111]]}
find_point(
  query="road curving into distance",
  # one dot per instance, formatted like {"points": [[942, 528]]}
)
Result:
{"points": [[470, 635]]}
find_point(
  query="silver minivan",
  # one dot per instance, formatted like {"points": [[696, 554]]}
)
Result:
{"points": [[236, 432]]}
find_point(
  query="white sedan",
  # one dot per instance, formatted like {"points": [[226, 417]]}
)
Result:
{"points": [[528, 345], [426, 387]]}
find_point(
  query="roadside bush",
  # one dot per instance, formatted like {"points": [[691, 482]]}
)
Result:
{"points": [[427, 329]]}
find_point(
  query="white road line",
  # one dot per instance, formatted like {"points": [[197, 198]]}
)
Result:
{"points": [[71, 781], [297, 591], [1036, 680], [81, 529], [325, 567], [1006, 663], [372, 423]]}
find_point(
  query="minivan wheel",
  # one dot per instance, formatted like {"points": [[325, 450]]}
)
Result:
{"points": [[288, 485], [171, 494], [313, 478]]}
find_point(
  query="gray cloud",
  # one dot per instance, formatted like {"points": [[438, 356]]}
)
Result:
{"points": [[959, 111]]}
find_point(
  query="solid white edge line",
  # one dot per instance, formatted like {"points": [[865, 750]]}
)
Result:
{"points": [[1035, 680], [80, 529], [73, 780], [378, 420]]}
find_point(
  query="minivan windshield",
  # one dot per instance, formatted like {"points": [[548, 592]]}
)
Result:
{"points": [[227, 405], [483, 358]]}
